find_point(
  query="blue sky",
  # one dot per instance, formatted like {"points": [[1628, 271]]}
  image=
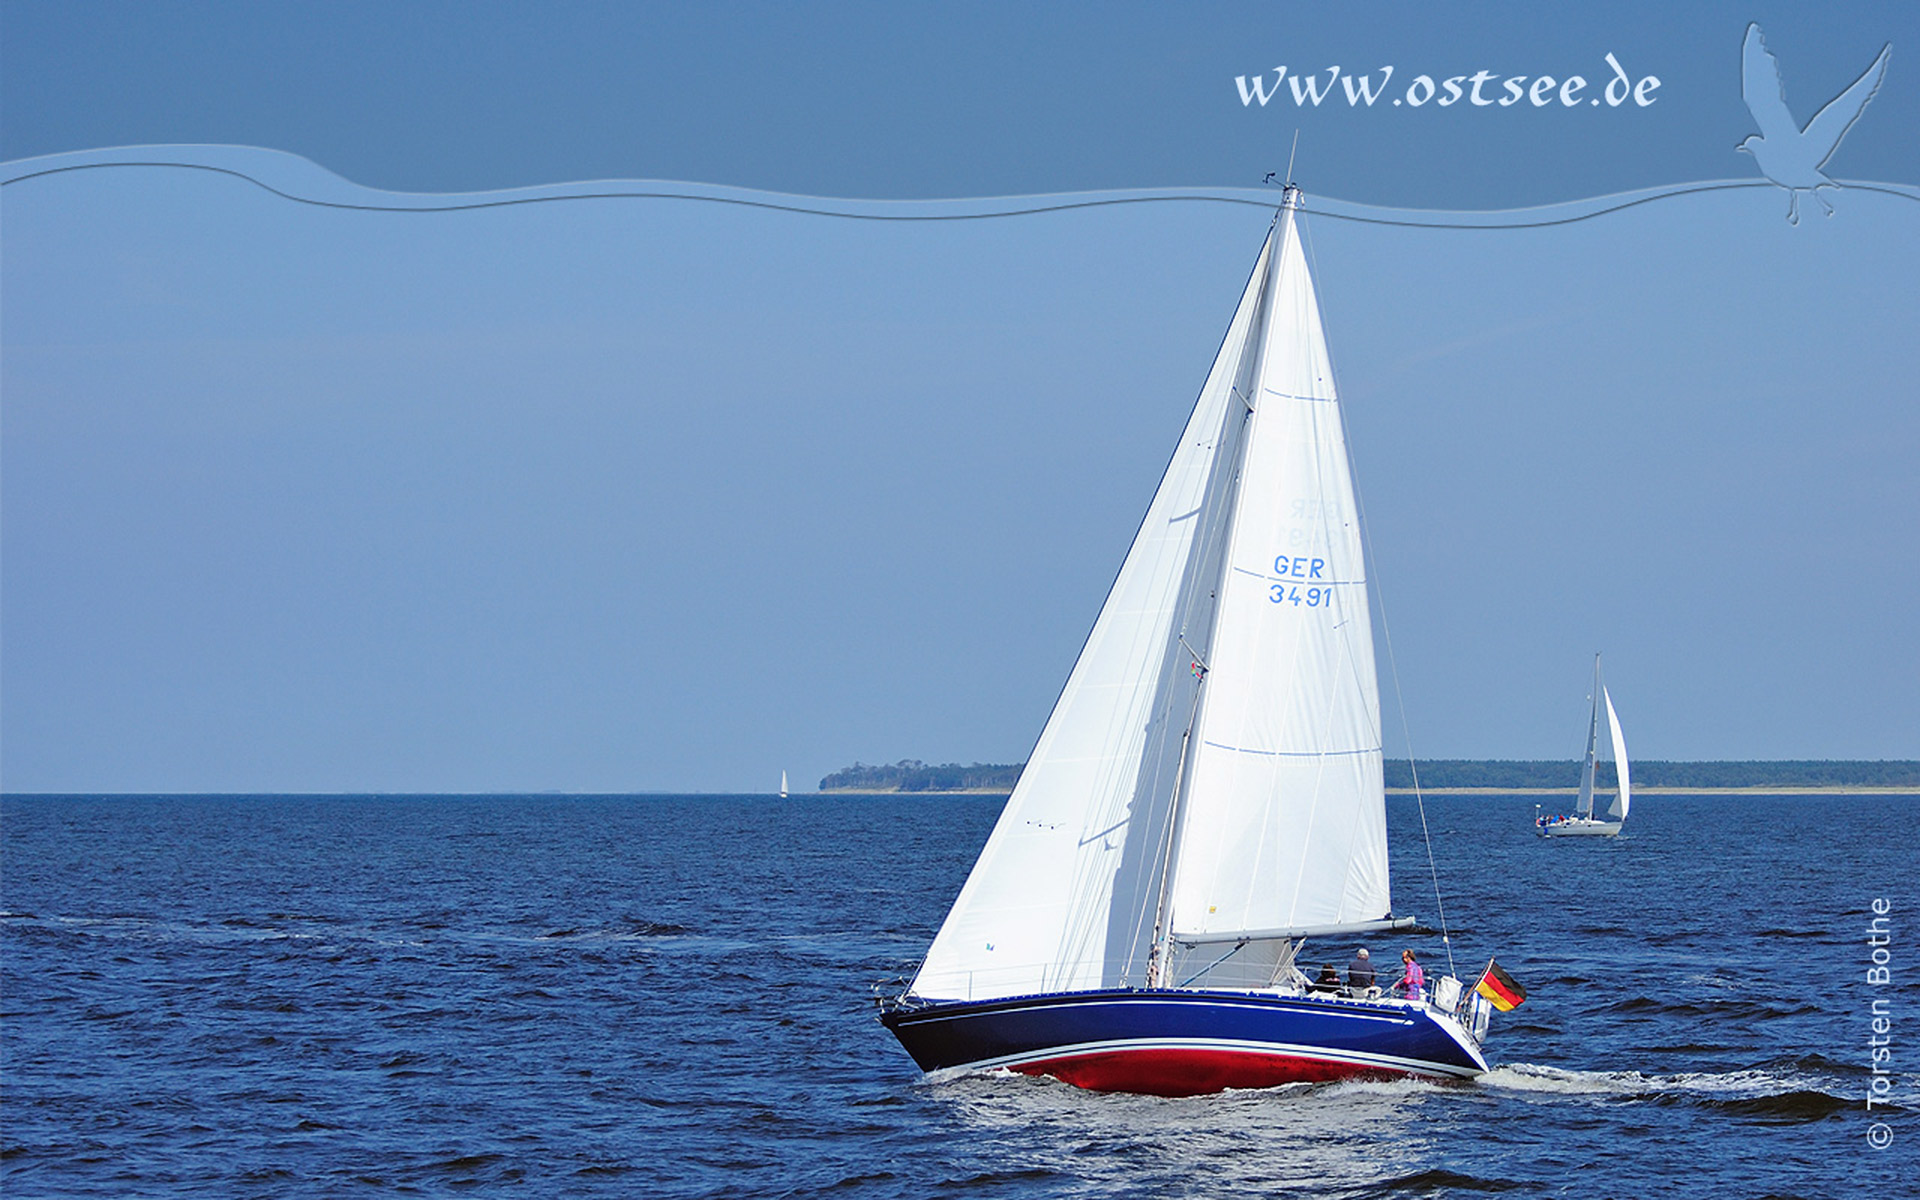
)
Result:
{"points": [[656, 495], [888, 99]]}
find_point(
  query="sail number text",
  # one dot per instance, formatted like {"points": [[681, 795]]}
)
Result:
{"points": [[1301, 567]]}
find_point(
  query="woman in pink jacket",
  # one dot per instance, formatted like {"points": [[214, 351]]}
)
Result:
{"points": [[1413, 983]]}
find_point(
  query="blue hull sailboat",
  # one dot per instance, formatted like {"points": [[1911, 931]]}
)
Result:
{"points": [[1207, 794], [1190, 1041]]}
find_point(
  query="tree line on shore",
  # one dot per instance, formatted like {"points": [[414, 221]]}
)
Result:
{"points": [[912, 775]]}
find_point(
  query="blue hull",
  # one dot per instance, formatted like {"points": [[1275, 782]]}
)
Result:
{"points": [[1184, 1043]]}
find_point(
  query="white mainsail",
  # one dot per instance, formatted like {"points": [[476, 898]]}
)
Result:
{"points": [[1284, 822], [1212, 767]]}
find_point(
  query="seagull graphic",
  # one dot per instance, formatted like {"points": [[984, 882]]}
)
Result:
{"points": [[1787, 154]]}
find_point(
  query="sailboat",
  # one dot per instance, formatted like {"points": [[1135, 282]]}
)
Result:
{"points": [[1207, 793], [1583, 823], [783, 785]]}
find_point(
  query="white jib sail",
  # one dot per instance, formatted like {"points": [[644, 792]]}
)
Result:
{"points": [[1284, 820], [1066, 872], [1622, 802]]}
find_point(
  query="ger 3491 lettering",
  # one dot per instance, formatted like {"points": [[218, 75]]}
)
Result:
{"points": [[1291, 567]]}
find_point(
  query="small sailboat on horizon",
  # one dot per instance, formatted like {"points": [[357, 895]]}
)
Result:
{"points": [[1582, 822], [783, 785], [1207, 794]]}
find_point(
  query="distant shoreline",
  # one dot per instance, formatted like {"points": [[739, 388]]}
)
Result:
{"points": [[1779, 790], [1472, 776], [1826, 789]]}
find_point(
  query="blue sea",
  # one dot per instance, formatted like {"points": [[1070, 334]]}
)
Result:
{"points": [[671, 997]]}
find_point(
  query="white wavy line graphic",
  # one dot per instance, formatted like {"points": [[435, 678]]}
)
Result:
{"points": [[300, 180]]}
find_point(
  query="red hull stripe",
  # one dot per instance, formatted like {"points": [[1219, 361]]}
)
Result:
{"points": [[1195, 1072]]}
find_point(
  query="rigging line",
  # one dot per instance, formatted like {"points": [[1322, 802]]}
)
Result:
{"points": [[818, 211], [1186, 598], [1162, 949], [1065, 687], [1194, 654], [1220, 496], [1583, 741], [1393, 666], [1238, 947]]}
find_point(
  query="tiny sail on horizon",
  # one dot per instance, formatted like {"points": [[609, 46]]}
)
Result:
{"points": [[783, 785], [1207, 792]]}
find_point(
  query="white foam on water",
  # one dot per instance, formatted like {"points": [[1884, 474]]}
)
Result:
{"points": [[1740, 1085], [1405, 1085], [944, 1075]]}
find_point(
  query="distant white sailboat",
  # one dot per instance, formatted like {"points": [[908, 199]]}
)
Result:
{"points": [[1583, 823], [783, 785]]}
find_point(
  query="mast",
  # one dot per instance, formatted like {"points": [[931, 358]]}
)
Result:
{"points": [[1584, 806], [1160, 961]]}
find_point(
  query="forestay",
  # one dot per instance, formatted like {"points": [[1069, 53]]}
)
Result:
{"points": [[1583, 804], [1082, 837]]}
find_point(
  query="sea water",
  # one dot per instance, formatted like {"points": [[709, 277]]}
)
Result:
{"points": [[670, 996]]}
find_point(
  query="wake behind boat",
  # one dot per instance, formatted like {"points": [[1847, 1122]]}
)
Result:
{"points": [[1582, 822], [1207, 793]]}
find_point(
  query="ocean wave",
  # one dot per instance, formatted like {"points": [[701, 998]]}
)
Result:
{"points": [[1533, 1077], [1782, 1096], [1433, 1182], [1744, 1009], [1783, 1108]]}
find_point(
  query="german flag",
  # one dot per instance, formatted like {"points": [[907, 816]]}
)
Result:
{"points": [[1501, 989]]}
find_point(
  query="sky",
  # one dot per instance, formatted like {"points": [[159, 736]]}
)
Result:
{"points": [[919, 100], [656, 495]]}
